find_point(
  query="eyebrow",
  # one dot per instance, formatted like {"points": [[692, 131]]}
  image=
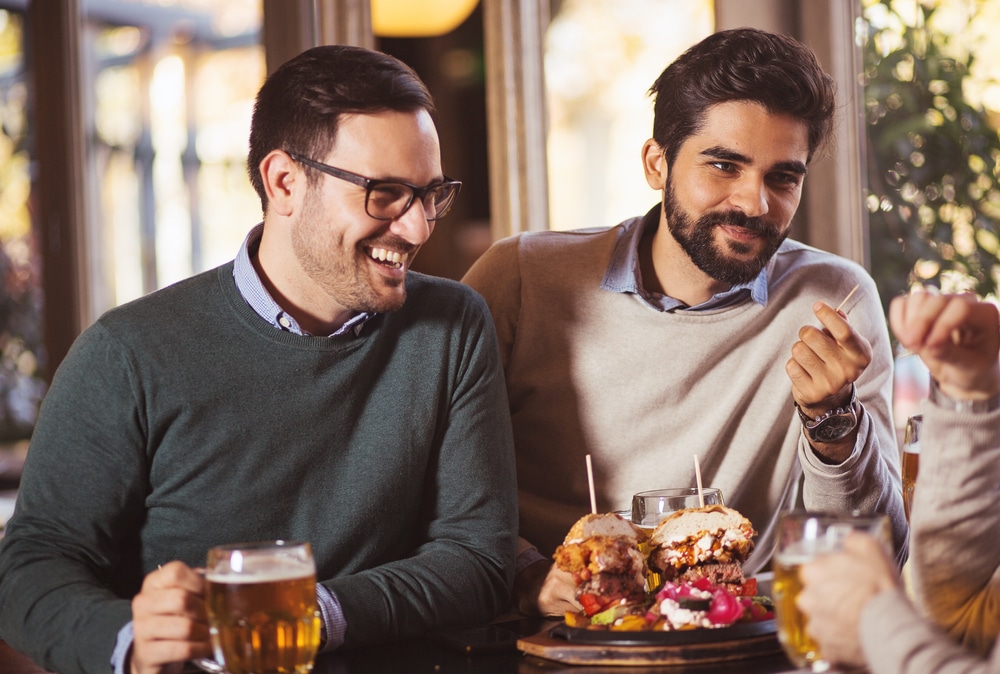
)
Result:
{"points": [[718, 152]]}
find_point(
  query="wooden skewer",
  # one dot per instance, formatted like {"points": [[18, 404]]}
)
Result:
{"points": [[849, 295], [697, 477], [590, 481]]}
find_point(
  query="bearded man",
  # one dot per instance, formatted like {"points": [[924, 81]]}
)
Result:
{"points": [[699, 328]]}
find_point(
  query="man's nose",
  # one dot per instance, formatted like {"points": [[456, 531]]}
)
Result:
{"points": [[413, 225], [750, 196]]}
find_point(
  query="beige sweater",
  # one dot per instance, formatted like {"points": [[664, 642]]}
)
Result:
{"points": [[955, 557], [591, 371]]}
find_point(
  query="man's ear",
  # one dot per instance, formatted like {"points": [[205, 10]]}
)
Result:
{"points": [[654, 164], [283, 179]]}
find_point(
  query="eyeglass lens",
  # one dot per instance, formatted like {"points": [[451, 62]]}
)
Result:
{"points": [[391, 200]]}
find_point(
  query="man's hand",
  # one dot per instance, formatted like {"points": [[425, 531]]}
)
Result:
{"points": [[824, 365], [956, 336], [543, 589], [169, 622], [835, 589]]}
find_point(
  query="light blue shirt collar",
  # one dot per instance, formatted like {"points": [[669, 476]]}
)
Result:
{"points": [[624, 275], [253, 291]]}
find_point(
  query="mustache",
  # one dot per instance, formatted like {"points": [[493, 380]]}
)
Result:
{"points": [[737, 219], [390, 242]]}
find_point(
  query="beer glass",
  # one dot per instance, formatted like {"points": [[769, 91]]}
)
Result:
{"points": [[262, 610], [801, 537], [911, 460], [650, 507]]}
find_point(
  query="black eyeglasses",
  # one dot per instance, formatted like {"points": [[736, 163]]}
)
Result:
{"points": [[388, 200]]}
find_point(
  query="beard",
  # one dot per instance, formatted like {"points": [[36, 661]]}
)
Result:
{"points": [[341, 270], [726, 264]]}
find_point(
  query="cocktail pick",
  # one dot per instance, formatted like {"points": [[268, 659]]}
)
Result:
{"points": [[590, 482], [849, 295], [697, 477]]}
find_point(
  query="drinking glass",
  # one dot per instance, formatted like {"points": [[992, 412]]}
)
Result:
{"points": [[262, 610], [801, 537], [911, 460], [650, 507]]}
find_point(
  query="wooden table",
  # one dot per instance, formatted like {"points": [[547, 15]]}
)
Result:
{"points": [[425, 656]]}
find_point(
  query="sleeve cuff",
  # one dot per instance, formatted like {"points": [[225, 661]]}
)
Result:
{"points": [[332, 619], [123, 644], [527, 556]]}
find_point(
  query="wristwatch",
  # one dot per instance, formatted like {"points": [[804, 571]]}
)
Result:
{"points": [[833, 425]]}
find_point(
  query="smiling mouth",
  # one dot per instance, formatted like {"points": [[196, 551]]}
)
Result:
{"points": [[388, 258]]}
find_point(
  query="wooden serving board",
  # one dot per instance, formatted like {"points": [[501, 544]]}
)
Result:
{"points": [[544, 645]]}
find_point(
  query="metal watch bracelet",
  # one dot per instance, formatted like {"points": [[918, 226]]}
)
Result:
{"points": [[942, 399]]}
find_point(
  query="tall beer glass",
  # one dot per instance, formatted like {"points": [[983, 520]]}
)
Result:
{"points": [[801, 537], [911, 460], [262, 609], [649, 507]]}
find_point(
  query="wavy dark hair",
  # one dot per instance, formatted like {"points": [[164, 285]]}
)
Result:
{"points": [[744, 64], [301, 102]]}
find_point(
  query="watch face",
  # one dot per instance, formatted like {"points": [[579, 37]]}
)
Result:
{"points": [[833, 428]]}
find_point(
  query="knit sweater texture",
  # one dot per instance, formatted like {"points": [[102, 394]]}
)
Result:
{"points": [[183, 420], [954, 557], [590, 371]]}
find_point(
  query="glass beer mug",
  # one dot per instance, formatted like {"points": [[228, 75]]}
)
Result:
{"points": [[801, 537], [262, 610], [911, 460]]}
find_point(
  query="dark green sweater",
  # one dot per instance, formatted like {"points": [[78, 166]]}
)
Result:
{"points": [[183, 420]]}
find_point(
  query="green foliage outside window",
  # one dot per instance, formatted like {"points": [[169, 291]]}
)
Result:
{"points": [[933, 195]]}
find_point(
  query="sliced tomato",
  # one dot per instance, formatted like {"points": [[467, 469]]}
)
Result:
{"points": [[591, 604], [748, 588]]}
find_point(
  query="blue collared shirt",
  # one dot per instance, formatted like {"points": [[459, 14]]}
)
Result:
{"points": [[624, 276], [253, 291]]}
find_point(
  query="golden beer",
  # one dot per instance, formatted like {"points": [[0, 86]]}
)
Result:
{"points": [[911, 465], [263, 613], [798, 645], [911, 460], [653, 580]]}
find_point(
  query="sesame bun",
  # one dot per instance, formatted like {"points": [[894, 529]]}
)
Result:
{"points": [[611, 525]]}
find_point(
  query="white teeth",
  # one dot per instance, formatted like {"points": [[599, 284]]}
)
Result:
{"points": [[390, 256]]}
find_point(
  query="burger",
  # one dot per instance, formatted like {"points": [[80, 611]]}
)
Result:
{"points": [[602, 553], [709, 543]]}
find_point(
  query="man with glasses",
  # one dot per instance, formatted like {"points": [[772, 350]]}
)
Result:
{"points": [[698, 328], [313, 389]]}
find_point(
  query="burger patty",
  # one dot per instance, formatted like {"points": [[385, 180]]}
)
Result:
{"points": [[613, 586], [718, 574]]}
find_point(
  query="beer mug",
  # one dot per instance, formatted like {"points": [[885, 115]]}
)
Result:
{"points": [[911, 460], [262, 611], [801, 537], [650, 507]]}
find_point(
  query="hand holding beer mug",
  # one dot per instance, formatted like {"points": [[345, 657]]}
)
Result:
{"points": [[262, 609], [802, 536], [911, 460]]}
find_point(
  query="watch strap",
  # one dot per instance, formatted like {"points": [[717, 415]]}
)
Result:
{"points": [[942, 399]]}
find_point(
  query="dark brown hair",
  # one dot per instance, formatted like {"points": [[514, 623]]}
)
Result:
{"points": [[298, 107], [743, 64]]}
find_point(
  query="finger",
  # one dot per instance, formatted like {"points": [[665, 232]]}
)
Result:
{"points": [[837, 325], [175, 575]]}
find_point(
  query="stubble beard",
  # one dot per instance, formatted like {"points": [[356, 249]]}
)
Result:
{"points": [[697, 239], [341, 271]]}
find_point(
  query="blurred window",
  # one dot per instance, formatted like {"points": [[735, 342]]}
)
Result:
{"points": [[601, 57]]}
